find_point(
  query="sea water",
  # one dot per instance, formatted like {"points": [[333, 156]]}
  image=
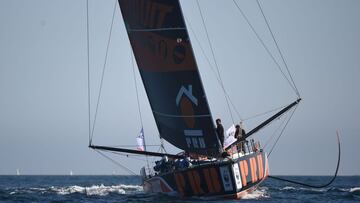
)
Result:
{"points": [[128, 189]]}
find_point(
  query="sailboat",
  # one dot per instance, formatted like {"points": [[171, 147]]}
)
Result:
{"points": [[164, 55]]}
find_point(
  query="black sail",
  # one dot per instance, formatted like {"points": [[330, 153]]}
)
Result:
{"points": [[164, 55]]}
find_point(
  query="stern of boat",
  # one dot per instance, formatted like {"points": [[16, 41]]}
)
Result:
{"points": [[230, 178]]}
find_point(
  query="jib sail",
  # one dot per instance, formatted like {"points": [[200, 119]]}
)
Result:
{"points": [[163, 52]]}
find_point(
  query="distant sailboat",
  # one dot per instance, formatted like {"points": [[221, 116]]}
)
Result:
{"points": [[71, 173], [17, 172]]}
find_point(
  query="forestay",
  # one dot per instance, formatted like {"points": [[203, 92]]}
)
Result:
{"points": [[163, 52]]}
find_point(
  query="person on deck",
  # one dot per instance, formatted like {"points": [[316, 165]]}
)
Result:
{"points": [[242, 129], [237, 134], [220, 131], [240, 136]]}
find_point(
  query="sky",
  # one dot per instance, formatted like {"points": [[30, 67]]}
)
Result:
{"points": [[43, 82]]}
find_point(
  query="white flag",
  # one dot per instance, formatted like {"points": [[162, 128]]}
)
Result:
{"points": [[140, 141], [229, 139]]}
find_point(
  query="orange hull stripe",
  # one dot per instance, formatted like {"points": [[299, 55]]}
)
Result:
{"points": [[197, 180], [215, 178], [208, 181], [253, 169], [260, 166], [180, 182], [244, 172]]}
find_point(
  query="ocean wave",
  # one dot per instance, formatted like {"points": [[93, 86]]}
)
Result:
{"points": [[14, 191], [288, 188], [355, 190], [340, 189], [316, 190], [97, 190]]}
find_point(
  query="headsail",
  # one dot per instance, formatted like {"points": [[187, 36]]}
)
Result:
{"points": [[164, 55]]}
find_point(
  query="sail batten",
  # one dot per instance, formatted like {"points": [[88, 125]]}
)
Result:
{"points": [[167, 65]]}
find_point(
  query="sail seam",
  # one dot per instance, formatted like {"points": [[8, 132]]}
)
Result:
{"points": [[156, 29], [181, 116]]}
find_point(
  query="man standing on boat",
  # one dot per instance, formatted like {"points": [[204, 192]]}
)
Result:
{"points": [[240, 136], [220, 131]]}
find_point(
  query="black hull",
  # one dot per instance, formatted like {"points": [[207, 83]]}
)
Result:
{"points": [[232, 178]]}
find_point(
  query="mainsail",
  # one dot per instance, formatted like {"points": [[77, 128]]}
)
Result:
{"points": [[164, 55]]}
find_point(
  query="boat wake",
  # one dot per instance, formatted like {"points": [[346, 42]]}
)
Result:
{"points": [[259, 193]]}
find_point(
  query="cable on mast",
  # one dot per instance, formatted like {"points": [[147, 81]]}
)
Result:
{"points": [[136, 90], [116, 163], [275, 131], [88, 68], [263, 113], [215, 61], [212, 68], [264, 46], [282, 131], [103, 72], [138, 104], [278, 48]]}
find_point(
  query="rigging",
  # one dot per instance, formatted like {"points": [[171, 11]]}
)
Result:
{"points": [[266, 122], [282, 131], [275, 131], [92, 127], [278, 48], [116, 163], [218, 76], [215, 61], [103, 73], [138, 105], [88, 67], [212, 68], [265, 47]]}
